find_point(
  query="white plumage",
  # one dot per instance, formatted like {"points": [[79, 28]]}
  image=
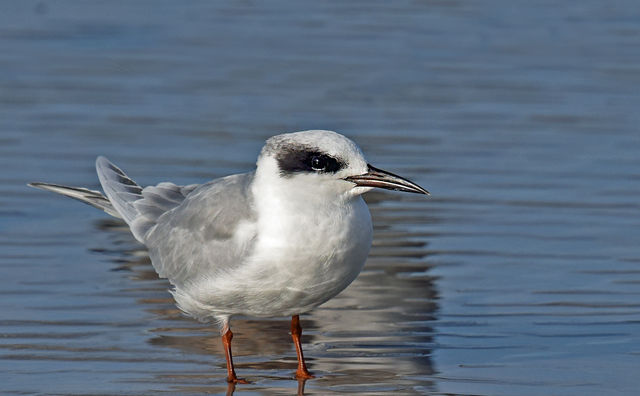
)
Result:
{"points": [[277, 241]]}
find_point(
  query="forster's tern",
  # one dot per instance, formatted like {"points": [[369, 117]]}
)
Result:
{"points": [[277, 241]]}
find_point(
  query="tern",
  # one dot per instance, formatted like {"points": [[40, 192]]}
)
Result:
{"points": [[277, 241]]}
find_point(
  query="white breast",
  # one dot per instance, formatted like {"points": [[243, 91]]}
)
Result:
{"points": [[306, 253], [308, 256]]}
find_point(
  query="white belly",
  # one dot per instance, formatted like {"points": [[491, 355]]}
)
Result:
{"points": [[300, 260], [309, 258]]}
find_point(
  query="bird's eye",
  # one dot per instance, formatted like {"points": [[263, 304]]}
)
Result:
{"points": [[318, 162], [309, 160]]}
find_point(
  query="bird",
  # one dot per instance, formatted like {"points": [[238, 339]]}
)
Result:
{"points": [[276, 241]]}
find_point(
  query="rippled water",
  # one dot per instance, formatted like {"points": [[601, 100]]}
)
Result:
{"points": [[520, 275]]}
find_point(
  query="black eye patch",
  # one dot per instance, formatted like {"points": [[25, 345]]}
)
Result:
{"points": [[292, 161]]}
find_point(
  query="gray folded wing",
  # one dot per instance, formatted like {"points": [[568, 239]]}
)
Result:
{"points": [[192, 232], [211, 231]]}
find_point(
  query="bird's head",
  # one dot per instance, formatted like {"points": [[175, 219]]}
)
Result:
{"points": [[324, 163]]}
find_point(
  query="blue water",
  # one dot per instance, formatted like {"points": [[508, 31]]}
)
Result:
{"points": [[520, 275]]}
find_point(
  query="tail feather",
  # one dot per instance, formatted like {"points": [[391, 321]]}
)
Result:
{"points": [[119, 188], [123, 198], [89, 197], [124, 194]]}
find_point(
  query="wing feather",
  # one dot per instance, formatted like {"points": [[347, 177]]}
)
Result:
{"points": [[139, 207], [209, 233]]}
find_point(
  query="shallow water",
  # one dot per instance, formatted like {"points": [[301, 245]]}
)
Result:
{"points": [[520, 275]]}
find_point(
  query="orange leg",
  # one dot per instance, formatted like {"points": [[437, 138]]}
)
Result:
{"points": [[231, 373], [296, 333]]}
